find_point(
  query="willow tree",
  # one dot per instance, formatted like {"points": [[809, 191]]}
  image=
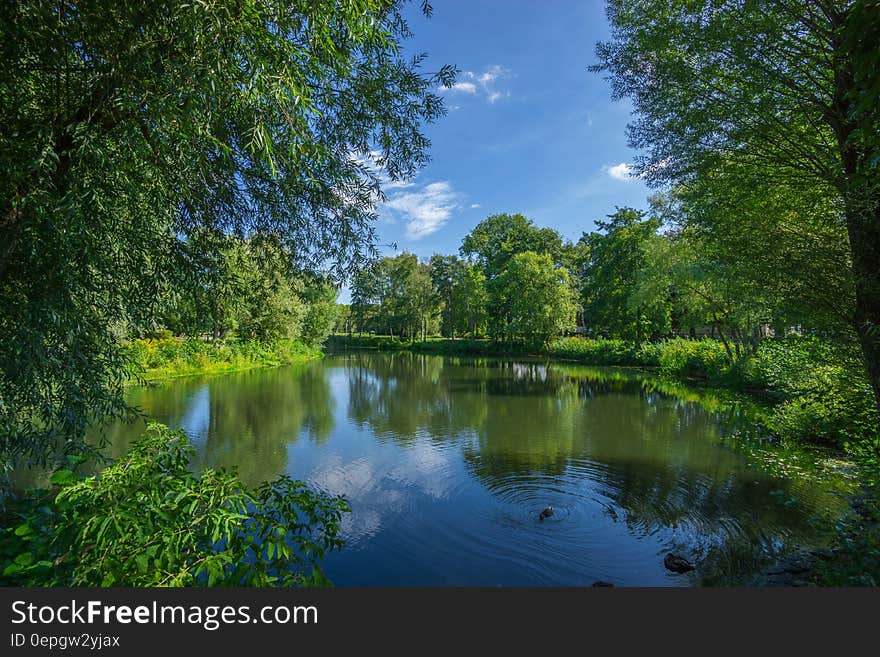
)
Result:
{"points": [[126, 126], [788, 88]]}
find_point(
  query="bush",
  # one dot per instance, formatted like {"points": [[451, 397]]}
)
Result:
{"points": [[598, 351], [706, 359], [147, 520], [159, 334], [820, 390]]}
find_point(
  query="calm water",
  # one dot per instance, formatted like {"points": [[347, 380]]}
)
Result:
{"points": [[446, 463]]}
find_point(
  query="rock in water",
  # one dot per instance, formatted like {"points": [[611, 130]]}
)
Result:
{"points": [[601, 583], [677, 564], [546, 513]]}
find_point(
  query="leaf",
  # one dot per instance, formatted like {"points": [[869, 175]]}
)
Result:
{"points": [[24, 559], [11, 569], [62, 477]]}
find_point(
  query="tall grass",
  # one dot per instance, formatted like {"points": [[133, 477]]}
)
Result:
{"points": [[164, 358]]}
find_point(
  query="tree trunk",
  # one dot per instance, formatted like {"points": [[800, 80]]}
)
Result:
{"points": [[862, 209], [717, 326], [864, 239]]}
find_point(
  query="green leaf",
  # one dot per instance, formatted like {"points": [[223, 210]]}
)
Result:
{"points": [[12, 568], [62, 477], [24, 559]]}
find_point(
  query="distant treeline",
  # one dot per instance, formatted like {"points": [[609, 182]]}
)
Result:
{"points": [[643, 276]]}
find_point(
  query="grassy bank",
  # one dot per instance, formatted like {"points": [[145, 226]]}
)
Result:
{"points": [[165, 358]]}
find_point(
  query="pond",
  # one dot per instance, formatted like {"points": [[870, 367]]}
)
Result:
{"points": [[447, 463]]}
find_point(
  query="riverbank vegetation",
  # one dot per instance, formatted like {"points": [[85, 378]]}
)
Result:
{"points": [[154, 359], [147, 520]]}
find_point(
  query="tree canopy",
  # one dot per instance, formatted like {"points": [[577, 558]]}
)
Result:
{"points": [[783, 91], [128, 126]]}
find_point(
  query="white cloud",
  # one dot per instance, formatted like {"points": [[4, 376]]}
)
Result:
{"points": [[621, 171], [425, 210], [474, 205], [463, 87], [387, 184], [482, 84]]}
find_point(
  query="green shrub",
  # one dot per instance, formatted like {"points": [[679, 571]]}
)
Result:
{"points": [[147, 520], [820, 391], [595, 351], [704, 358]]}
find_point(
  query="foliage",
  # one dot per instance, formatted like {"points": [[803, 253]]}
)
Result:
{"points": [[772, 92], [535, 300], [617, 259], [498, 238], [128, 127], [461, 288], [599, 351], [344, 320], [146, 520], [159, 359], [706, 358], [321, 313], [396, 296], [821, 391]]}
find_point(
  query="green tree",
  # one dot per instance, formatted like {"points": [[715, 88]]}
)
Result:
{"points": [[493, 243], [470, 296], [539, 299], [396, 296], [461, 288], [322, 312], [617, 256], [498, 238], [784, 88], [344, 320], [129, 125], [269, 303], [365, 296]]}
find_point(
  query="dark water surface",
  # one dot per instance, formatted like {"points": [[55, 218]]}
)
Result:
{"points": [[447, 462]]}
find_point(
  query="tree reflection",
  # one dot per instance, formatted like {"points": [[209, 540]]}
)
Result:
{"points": [[655, 448], [246, 420]]}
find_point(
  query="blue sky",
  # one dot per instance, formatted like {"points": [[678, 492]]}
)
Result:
{"points": [[529, 129]]}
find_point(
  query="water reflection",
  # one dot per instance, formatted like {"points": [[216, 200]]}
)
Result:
{"points": [[447, 461], [246, 420]]}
